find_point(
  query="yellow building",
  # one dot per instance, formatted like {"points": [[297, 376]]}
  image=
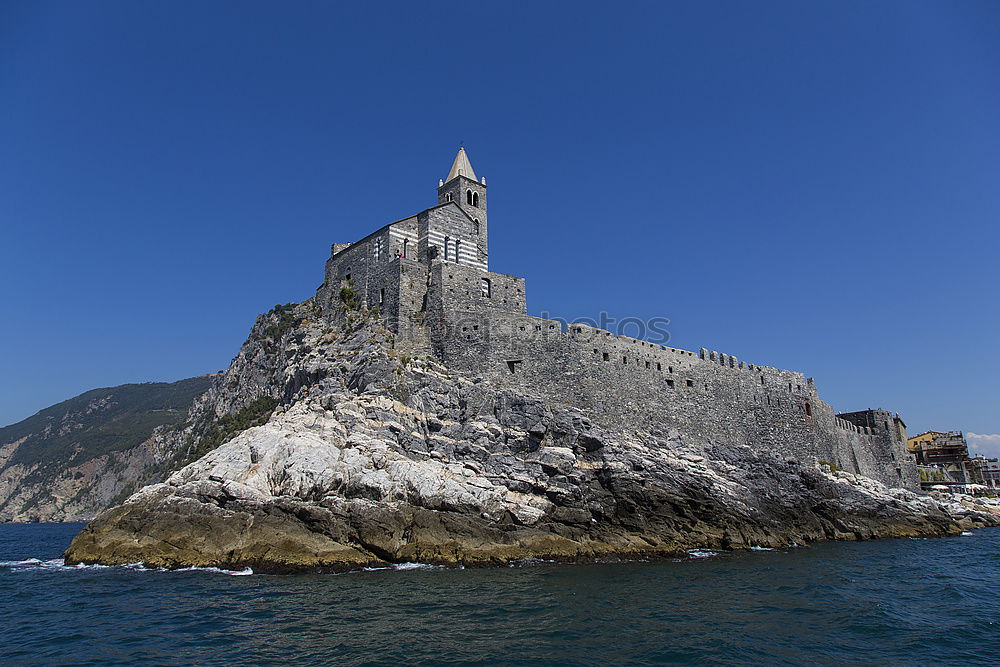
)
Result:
{"points": [[918, 442]]}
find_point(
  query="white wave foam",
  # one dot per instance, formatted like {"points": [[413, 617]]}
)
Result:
{"points": [[415, 566], [32, 562], [232, 573], [762, 549], [701, 553], [60, 564], [967, 534], [402, 566]]}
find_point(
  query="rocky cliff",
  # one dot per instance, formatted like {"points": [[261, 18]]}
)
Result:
{"points": [[321, 449], [78, 457]]}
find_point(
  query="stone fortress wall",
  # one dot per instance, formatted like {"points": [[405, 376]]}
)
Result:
{"points": [[476, 321]]}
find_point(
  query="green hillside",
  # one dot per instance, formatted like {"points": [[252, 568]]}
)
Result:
{"points": [[101, 421]]}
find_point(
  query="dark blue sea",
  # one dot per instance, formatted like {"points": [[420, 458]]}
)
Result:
{"points": [[893, 602]]}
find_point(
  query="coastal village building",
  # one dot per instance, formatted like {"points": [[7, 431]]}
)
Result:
{"points": [[942, 457], [429, 276], [989, 469]]}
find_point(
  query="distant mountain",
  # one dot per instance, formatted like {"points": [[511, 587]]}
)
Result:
{"points": [[74, 459]]}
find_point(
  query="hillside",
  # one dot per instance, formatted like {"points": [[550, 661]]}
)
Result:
{"points": [[73, 459]]}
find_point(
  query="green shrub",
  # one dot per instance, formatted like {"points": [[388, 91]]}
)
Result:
{"points": [[286, 319], [227, 426], [350, 297]]}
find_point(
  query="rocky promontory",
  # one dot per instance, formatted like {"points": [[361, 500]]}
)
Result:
{"points": [[349, 455]]}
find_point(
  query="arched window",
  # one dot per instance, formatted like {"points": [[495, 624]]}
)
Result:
{"points": [[447, 197], [475, 199], [809, 410], [475, 224], [468, 197]]}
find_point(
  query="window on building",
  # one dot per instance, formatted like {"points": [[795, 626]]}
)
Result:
{"points": [[447, 243], [670, 383], [475, 199], [486, 288], [690, 383], [458, 245], [809, 409], [406, 247], [475, 225], [607, 357], [515, 365], [658, 366], [647, 364], [468, 197], [381, 295], [347, 276], [447, 197]]}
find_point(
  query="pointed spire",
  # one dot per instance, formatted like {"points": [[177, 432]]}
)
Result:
{"points": [[461, 167]]}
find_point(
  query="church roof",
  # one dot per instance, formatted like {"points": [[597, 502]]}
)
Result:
{"points": [[461, 167]]}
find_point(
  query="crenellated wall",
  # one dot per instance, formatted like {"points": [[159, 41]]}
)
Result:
{"points": [[624, 381]]}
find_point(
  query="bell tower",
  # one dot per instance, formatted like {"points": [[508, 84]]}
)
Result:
{"points": [[463, 188]]}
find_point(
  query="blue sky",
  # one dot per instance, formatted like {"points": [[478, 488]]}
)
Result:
{"points": [[806, 185]]}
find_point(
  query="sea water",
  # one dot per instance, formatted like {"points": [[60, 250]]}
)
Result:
{"points": [[885, 602]]}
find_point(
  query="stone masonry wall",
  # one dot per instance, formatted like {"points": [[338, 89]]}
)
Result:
{"points": [[448, 222], [629, 382]]}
